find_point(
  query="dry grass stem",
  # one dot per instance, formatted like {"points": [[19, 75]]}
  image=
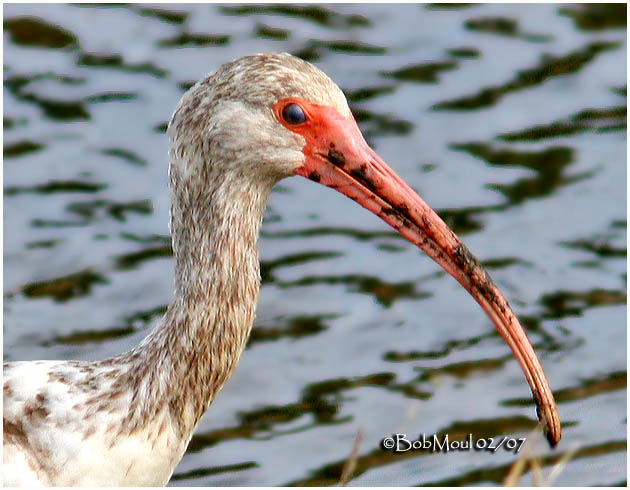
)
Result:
{"points": [[351, 463]]}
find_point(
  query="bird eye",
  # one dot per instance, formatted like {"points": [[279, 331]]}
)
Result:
{"points": [[293, 114]]}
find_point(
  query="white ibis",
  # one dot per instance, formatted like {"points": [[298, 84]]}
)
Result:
{"points": [[127, 420]]}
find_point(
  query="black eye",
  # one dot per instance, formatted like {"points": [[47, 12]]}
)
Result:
{"points": [[293, 114]]}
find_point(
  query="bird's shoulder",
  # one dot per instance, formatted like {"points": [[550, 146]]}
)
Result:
{"points": [[57, 413], [56, 391]]}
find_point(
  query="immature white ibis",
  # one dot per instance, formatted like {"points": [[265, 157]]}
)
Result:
{"points": [[127, 420]]}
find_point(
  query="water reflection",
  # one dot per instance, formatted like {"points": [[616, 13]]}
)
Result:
{"points": [[52, 187], [188, 39], [505, 27], [496, 474], [596, 17], [65, 288], [597, 120], [115, 61], [31, 31], [549, 164], [61, 110], [320, 15], [550, 66], [422, 73], [330, 474]]}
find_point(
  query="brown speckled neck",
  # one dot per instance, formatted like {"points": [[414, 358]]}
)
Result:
{"points": [[225, 157], [186, 360]]}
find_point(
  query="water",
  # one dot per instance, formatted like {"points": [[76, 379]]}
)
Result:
{"points": [[510, 120]]}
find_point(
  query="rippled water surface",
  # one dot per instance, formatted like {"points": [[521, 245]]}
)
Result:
{"points": [[510, 120]]}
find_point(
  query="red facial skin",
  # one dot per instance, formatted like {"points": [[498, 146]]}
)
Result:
{"points": [[337, 156]]}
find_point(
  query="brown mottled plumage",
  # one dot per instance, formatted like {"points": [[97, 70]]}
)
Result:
{"points": [[127, 420], [161, 388]]}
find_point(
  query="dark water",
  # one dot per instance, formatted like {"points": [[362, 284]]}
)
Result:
{"points": [[509, 119]]}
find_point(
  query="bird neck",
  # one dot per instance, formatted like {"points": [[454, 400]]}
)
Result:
{"points": [[217, 277]]}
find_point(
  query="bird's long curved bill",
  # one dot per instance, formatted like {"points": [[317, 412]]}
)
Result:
{"points": [[340, 158]]}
